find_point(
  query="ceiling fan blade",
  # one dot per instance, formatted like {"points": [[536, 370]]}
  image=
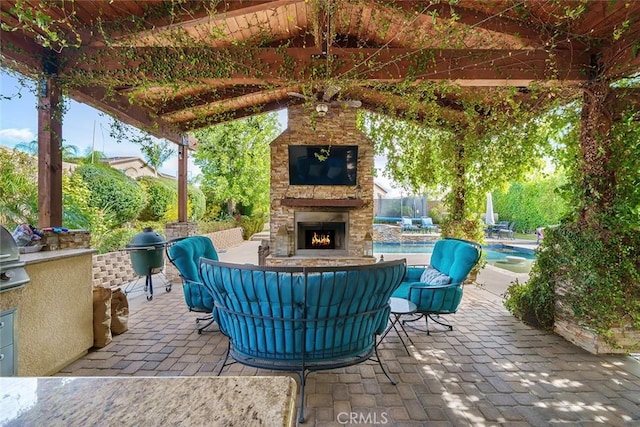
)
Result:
{"points": [[347, 103], [297, 95], [330, 92]]}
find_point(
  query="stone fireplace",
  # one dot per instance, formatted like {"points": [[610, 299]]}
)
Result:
{"points": [[326, 224]]}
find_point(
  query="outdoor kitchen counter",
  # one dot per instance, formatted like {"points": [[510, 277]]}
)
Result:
{"points": [[148, 401], [53, 323], [45, 256]]}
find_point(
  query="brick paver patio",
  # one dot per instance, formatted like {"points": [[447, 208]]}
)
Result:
{"points": [[491, 370]]}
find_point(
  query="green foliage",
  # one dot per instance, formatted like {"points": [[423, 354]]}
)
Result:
{"points": [[468, 229], [533, 203], [160, 197], [251, 225], [154, 151], [531, 303], [114, 240], [77, 212], [196, 202], [234, 160], [113, 192], [19, 189], [206, 227], [482, 149], [600, 271], [438, 213]]}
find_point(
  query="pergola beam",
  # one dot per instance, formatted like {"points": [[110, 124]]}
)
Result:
{"points": [[125, 111], [469, 66]]}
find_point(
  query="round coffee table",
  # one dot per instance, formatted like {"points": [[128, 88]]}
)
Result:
{"points": [[399, 307]]}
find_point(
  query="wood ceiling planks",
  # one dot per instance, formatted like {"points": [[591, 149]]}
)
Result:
{"points": [[486, 42]]}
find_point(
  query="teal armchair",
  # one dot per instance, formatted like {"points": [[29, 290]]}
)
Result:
{"points": [[185, 253], [437, 289]]}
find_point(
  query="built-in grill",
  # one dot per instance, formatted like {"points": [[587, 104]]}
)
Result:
{"points": [[12, 272]]}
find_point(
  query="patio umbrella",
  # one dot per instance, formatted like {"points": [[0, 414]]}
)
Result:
{"points": [[488, 218]]}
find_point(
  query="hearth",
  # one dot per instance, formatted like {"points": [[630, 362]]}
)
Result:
{"points": [[321, 233]]}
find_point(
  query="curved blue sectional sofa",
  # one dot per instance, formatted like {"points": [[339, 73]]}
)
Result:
{"points": [[302, 319]]}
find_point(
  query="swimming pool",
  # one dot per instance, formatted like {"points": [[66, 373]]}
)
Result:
{"points": [[495, 254]]}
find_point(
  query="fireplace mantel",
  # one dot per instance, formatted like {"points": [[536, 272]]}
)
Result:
{"points": [[321, 203]]}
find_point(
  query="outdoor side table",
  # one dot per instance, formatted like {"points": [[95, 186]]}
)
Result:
{"points": [[399, 307]]}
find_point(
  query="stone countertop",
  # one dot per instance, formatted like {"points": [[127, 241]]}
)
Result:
{"points": [[44, 256], [148, 401]]}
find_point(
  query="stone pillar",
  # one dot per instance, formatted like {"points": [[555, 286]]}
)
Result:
{"points": [[173, 230]]}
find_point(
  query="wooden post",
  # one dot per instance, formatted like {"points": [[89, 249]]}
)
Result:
{"points": [[183, 150], [49, 152]]}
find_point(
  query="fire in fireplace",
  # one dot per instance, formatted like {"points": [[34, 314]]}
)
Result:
{"points": [[321, 233], [320, 239]]}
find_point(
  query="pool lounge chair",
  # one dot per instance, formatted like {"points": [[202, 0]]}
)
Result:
{"points": [[407, 225], [426, 223]]}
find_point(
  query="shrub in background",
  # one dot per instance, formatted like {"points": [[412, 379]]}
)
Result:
{"points": [[19, 189], [78, 213], [115, 240], [160, 198], [251, 225], [532, 204], [196, 203], [113, 192]]}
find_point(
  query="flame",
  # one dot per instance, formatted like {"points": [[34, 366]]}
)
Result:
{"points": [[320, 240]]}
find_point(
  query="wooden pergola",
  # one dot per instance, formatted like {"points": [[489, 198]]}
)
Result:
{"points": [[172, 67]]}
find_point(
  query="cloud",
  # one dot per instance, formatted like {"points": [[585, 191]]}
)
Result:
{"points": [[14, 136]]}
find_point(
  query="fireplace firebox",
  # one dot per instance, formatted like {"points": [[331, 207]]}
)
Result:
{"points": [[321, 233], [320, 239]]}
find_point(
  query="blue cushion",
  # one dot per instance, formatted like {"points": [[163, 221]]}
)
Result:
{"points": [[185, 255], [432, 276], [431, 299], [454, 258]]}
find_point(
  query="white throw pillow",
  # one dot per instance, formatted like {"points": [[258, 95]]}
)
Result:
{"points": [[432, 276]]}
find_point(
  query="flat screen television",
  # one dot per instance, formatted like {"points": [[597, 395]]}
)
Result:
{"points": [[323, 164]]}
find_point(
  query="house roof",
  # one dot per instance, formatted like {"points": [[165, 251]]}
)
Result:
{"points": [[172, 67]]}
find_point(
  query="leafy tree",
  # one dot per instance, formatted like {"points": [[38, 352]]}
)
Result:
{"points": [[31, 147], [234, 160], [19, 189], [113, 192], [484, 147], [154, 151]]}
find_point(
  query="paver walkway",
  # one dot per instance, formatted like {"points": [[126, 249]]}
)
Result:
{"points": [[491, 370]]}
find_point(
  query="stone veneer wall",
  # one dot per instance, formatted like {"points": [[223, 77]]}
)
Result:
{"points": [[338, 127], [114, 269], [72, 239]]}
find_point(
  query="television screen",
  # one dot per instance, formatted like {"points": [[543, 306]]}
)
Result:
{"points": [[323, 164]]}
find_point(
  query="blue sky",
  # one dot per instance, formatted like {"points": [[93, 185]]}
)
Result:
{"points": [[83, 126]]}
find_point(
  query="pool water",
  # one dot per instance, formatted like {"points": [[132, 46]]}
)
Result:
{"points": [[495, 254]]}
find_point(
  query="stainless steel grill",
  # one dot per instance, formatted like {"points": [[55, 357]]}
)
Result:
{"points": [[12, 272]]}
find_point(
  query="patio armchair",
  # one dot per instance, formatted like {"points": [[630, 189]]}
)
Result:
{"points": [[302, 319], [185, 253], [437, 289]]}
